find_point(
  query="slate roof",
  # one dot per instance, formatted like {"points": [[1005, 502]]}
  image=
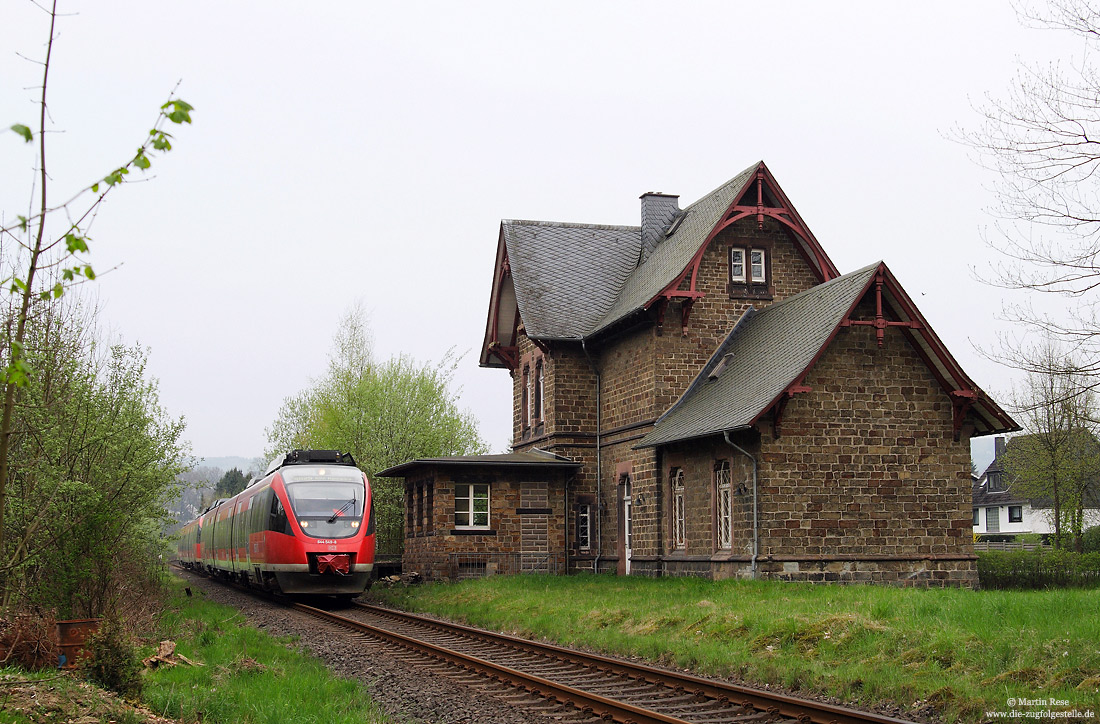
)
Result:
{"points": [[765, 352], [567, 276], [534, 458], [673, 254], [574, 280]]}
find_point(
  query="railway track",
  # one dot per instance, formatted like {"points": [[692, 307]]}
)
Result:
{"points": [[598, 687]]}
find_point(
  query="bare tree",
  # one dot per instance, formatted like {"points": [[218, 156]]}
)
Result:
{"points": [[1042, 139]]}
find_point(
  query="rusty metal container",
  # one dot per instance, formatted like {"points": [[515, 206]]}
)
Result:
{"points": [[71, 636]]}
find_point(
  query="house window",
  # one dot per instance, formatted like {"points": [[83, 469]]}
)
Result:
{"points": [[757, 272], [525, 402], [537, 397], [679, 532], [994, 483], [749, 272], [992, 520], [472, 505], [737, 265], [419, 508], [431, 508], [724, 498], [1015, 514], [977, 519], [584, 527]]}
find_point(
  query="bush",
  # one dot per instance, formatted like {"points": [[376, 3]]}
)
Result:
{"points": [[1090, 540], [1038, 569], [113, 661], [29, 640]]}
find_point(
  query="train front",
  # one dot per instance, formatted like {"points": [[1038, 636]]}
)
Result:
{"points": [[333, 516]]}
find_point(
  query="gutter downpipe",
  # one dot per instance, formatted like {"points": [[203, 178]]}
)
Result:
{"points": [[755, 525], [599, 460]]}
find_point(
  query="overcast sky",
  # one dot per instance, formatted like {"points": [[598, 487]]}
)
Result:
{"points": [[348, 152]]}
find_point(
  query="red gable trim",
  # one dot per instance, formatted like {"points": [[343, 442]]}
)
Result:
{"points": [[961, 390], [504, 350], [822, 267]]}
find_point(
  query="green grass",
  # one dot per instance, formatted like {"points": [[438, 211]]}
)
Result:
{"points": [[248, 676], [956, 652]]}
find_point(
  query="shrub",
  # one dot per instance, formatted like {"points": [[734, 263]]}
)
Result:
{"points": [[113, 661], [29, 640], [1038, 569], [1090, 540]]}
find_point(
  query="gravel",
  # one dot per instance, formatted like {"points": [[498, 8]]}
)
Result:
{"points": [[405, 689]]}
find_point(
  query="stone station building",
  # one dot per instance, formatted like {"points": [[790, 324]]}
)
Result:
{"points": [[705, 394]]}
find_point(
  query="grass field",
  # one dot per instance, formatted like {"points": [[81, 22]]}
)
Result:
{"points": [[958, 653], [247, 676]]}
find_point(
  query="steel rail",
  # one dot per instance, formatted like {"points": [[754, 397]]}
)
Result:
{"points": [[765, 701], [586, 701]]}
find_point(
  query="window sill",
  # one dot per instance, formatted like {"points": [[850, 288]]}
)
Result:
{"points": [[473, 531], [739, 290]]}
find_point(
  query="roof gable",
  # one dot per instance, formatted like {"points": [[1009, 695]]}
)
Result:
{"points": [[766, 351], [572, 281], [768, 354]]}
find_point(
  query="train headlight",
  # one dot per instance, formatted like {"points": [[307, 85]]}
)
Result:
{"points": [[354, 524], [305, 523]]}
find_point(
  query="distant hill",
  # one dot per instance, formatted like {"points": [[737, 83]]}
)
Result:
{"points": [[228, 463], [197, 485]]}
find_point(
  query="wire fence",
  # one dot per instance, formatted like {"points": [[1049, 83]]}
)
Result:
{"points": [[985, 545]]}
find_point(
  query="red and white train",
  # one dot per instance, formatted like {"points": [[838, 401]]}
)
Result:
{"points": [[305, 527]]}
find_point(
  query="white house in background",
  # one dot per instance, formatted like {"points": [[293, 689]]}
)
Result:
{"points": [[999, 511]]}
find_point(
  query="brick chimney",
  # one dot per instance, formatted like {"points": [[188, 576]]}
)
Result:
{"points": [[658, 212], [998, 447]]}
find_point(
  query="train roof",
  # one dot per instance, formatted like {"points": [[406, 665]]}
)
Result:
{"points": [[308, 457]]}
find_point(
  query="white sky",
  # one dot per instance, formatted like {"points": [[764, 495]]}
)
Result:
{"points": [[355, 151]]}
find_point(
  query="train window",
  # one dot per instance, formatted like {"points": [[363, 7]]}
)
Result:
{"points": [[472, 505], [278, 522], [328, 508]]}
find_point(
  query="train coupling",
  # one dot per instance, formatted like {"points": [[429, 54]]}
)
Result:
{"points": [[334, 563]]}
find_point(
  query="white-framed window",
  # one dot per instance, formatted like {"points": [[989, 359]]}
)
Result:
{"points": [[679, 519], [757, 268], [1015, 514], [471, 505], [724, 499], [584, 527], [737, 264], [748, 266], [977, 514], [993, 520]]}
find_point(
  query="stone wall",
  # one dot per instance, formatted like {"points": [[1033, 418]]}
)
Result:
{"points": [[526, 524], [863, 483]]}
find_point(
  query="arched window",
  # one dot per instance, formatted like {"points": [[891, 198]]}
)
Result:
{"points": [[723, 498], [679, 518], [525, 399], [537, 403]]}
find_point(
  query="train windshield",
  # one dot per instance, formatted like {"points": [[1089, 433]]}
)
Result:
{"points": [[327, 506]]}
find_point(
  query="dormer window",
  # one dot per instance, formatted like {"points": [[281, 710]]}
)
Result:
{"points": [[994, 483], [756, 265], [750, 272], [737, 265]]}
